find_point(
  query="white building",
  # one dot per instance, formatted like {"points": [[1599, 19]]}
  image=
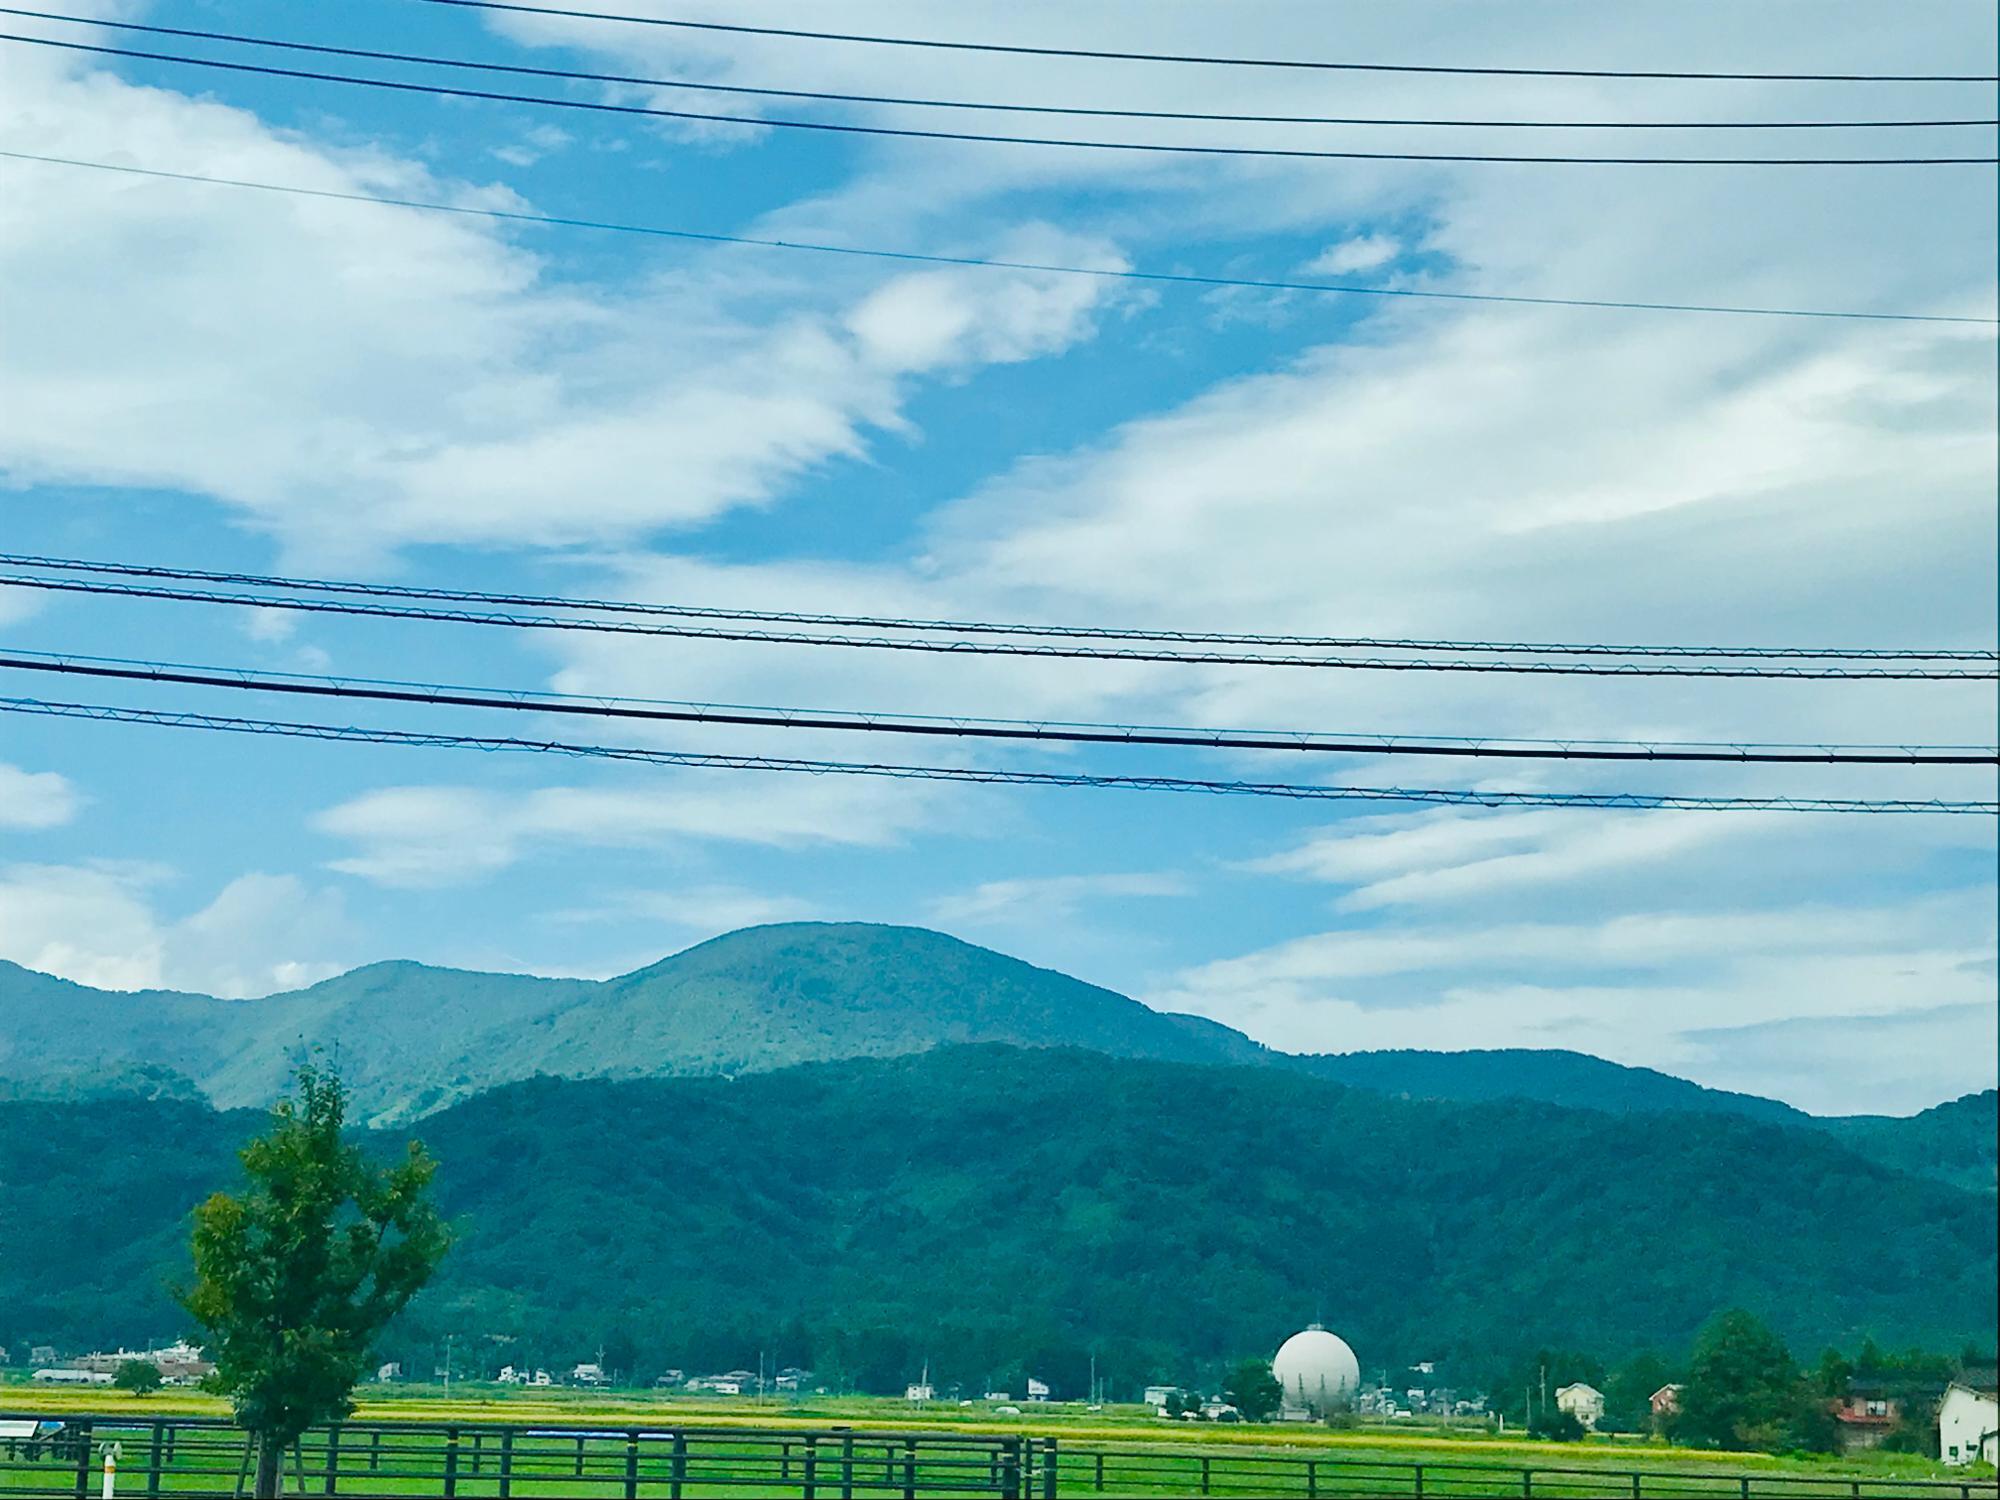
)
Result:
{"points": [[1584, 1402], [921, 1390], [1156, 1395], [1318, 1373], [1038, 1390], [588, 1375], [1968, 1425]]}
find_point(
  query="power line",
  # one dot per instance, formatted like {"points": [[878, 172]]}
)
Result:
{"points": [[574, 75], [1441, 796], [446, 695], [1209, 60], [1169, 278], [988, 647], [968, 627], [598, 106]]}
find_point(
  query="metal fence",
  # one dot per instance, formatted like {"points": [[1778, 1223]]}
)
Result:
{"points": [[1162, 1469], [186, 1456]]}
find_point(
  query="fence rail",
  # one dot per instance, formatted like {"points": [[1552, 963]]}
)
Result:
{"points": [[195, 1457]]}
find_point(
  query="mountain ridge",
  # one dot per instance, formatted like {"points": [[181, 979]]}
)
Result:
{"points": [[413, 1038]]}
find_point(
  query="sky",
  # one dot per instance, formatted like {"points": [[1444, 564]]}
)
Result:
{"points": [[214, 377]]}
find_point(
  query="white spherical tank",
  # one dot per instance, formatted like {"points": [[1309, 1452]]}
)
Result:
{"points": [[1317, 1369]]}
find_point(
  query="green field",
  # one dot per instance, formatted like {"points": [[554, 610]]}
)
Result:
{"points": [[736, 1446]]}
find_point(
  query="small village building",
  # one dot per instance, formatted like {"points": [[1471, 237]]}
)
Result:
{"points": [[1665, 1402], [1156, 1395], [590, 1374], [1038, 1390], [1866, 1414], [1969, 1424], [920, 1390], [1584, 1402]]}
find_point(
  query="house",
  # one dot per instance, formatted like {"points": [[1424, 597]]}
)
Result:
{"points": [[1666, 1402], [791, 1378], [390, 1371], [921, 1390], [1866, 1414], [589, 1375], [1584, 1402], [541, 1377], [1038, 1390], [1156, 1395], [510, 1376], [42, 1354], [1969, 1424]]}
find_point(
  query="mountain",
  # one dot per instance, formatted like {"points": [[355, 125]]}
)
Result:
{"points": [[1956, 1142], [1573, 1079], [412, 1039], [980, 1206]]}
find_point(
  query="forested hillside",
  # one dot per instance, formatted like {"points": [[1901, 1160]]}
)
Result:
{"points": [[979, 1206]]}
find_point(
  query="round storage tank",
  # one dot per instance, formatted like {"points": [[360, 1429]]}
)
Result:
{"points": [[1317, 1370]]}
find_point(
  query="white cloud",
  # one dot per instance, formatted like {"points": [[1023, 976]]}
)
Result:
{"points": [[457, 392], [101, 925], [1048, 899], [1364, 252], [430, 836], [35, 799]]}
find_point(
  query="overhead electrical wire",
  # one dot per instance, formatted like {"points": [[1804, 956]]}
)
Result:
{"points": [[1439, 796], [689, 630], [573, 75], [609, 706], [1170, 148], [1212, 60], [966, 627], [1170, 278]]}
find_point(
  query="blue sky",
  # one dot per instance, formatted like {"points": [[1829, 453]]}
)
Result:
{"points": [[218, 378]]}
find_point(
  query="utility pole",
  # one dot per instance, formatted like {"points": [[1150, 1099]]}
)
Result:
{"points": [[447, 1365]]}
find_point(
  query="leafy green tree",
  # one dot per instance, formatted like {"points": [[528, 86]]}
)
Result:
{"points": [[137, 1377], [1555, 1425], [296, 1277], [1628, 1392], [1744, 1391], [1253, 1390]]}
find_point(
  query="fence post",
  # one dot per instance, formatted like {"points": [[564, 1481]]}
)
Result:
{"points": [[1417, 1474], [83, 1447], [1010, 1469], [1204, 1473], [678, 1475], [374, 1450], [1527, 1481], [1099, 1483], [812, 1468], [1635, 1484], [909, 1469], [1053, 1457], [506, 1462], [579, 1458], [332, 1457], [632, 1465], [847, 1466], [1744, 1488], [450, 1462], [153, 1459], [1312, 1479]]}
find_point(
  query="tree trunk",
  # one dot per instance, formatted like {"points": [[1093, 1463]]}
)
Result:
{"points": [[270, 1466]]}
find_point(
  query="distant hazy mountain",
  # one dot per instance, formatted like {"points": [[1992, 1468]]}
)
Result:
{"points": [[975, 1207], [1573, 1079], [412, 1039]]}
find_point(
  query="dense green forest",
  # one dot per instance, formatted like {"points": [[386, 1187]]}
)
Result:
{"points": [[981, 1208]]}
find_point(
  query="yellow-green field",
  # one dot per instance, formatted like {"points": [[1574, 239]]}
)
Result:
{"points": [[1075, 1426]]}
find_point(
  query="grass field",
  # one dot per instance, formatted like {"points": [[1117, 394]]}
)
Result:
{"points": [[744, 1445]]}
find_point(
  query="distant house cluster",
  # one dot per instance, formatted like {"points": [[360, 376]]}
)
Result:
{"points": [[179, 1363]]}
